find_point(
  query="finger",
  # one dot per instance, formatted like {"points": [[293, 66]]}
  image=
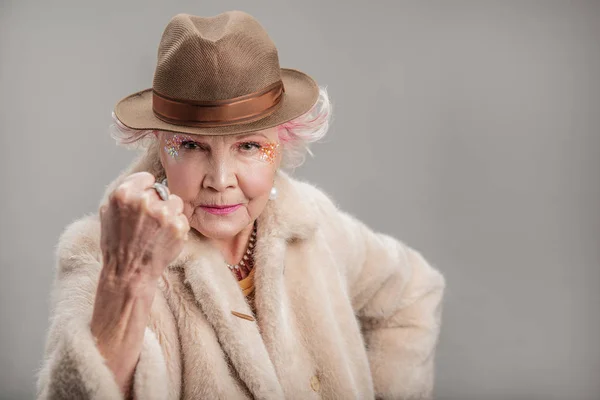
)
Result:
{"points": [[148, 199], [175, 204], [129, 190], [156, 207], [139, 181], [183, 225], [150, 196]]}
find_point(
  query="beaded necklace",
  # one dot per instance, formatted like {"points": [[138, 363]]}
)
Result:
{"points": [[246, 261]]}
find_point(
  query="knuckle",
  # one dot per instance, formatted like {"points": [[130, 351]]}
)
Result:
{"points": [[173, 230], [184, 225], [121, 194], [161, 213], [146, 175], [177, 224], [145, 201], [175, 207], [172, 223], [178, 228], [177, 200], [140, 175]]}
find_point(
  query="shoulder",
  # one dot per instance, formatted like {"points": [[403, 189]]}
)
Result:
{"points": [[298, 209], [317, 204], [79, 244], [311, 198]]}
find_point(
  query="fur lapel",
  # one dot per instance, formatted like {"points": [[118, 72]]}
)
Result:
{"points": [[217, 293], [252, 346]]}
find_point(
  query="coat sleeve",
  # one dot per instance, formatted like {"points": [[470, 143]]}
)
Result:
{"points": [[397, 297], [73, 368]]}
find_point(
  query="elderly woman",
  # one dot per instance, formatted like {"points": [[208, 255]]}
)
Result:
{"points": [[208, 273]]}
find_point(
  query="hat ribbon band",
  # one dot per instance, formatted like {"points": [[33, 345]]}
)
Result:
{"points": [[246, 108]]}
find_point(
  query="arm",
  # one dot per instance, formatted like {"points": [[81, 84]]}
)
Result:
{"points": [[397, 297], [73, 365]]}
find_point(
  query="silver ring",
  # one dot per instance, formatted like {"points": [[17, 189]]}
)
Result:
{"points": [[162, 191]]}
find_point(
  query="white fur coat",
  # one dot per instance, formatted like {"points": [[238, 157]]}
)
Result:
{"points": [[343, 312]]}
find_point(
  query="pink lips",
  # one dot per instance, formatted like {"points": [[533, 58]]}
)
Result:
{"points": [[221, 210]]}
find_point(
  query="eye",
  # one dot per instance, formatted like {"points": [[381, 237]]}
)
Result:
{"points": [[249, 146], [191, 145]]}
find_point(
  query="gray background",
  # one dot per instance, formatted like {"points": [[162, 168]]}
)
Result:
{"points": [[470, 130]]}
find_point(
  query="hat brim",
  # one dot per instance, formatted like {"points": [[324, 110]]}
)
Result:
{"points": [[301, 93]]}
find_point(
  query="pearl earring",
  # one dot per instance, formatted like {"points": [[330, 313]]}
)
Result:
{"points": [[273, 194]]}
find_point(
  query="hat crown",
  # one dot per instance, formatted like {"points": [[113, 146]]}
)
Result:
{"points": [[215, 58]]}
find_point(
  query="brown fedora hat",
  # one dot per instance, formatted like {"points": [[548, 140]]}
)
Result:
{"points": [[217, 76]]}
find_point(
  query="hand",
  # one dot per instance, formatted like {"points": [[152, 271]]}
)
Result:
{"points": [[140, 233]]}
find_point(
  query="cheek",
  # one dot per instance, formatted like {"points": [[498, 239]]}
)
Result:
{"points": [[257, 182]]}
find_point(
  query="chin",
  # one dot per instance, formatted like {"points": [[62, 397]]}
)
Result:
{"points": [[219, 229]]}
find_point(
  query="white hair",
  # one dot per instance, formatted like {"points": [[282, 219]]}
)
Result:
{"points": [[294, 136]]}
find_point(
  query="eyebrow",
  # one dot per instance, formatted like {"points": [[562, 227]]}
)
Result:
{"points": [[241, 136], [251, 134]]}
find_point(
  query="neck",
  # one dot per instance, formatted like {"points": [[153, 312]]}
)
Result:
{"points": [[233, 248]]}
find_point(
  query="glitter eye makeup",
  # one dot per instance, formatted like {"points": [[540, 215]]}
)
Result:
{"points": [[268, 152], [173, 143]]}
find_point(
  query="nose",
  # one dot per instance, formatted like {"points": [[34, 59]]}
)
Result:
{"points": [[220, 175]]}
